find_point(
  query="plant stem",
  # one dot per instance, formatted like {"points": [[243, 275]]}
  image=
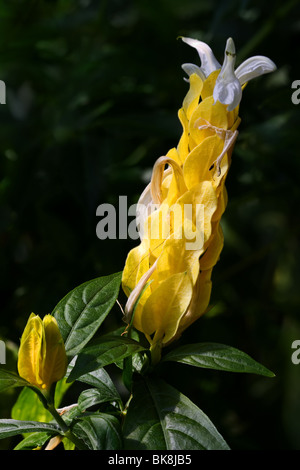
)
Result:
{"points": [[62, 424], [155, 350], [65, 428], [47, 399]]}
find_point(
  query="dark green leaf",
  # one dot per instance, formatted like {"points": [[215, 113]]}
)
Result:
{"points": [[34, 440], [102, 353], [107, 392], [9, 379], [159, 417], [217, 356], [98, 378], [95, 396], [80, 313], [12, 427], [127, 372], [99, 431], [102, 381]]}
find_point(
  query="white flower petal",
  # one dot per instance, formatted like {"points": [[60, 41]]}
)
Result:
{"points": [[228, 92], [254, 67], [192, 68], [208, 61], [227, 89], [230, 48]]}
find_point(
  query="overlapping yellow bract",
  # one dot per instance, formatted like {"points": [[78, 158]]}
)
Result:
{"points": [[179, 286], [42, 358]]}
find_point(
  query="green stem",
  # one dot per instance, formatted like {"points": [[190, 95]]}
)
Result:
{"points": [[62, 424], [47, 399], [65, 428], [155, 350]]}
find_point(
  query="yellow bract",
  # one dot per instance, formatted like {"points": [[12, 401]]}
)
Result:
{"points": [[183, 238], [42, 358]]}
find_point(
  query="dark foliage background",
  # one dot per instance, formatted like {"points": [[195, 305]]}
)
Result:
{"points": [[93, 89]]}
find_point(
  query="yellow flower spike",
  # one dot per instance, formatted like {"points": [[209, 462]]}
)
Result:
{"points": [[202, 202], [211, 255], [209, 85], [199, 302], [42, 358], [158, 229], [177, 184], [165, 307], [137, 297], [197, 165], [137, 264], [175, 258], [169, 275], [189, 105], [183, 147], [191, 99], [213, 113], [173, 153]]}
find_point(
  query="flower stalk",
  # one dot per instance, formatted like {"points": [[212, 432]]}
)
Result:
{"points": [[65, 428]]}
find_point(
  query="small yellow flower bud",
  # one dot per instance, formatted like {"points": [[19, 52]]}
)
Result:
{"points": [[42, 357]]}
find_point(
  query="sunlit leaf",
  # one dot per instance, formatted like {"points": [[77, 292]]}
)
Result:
{"points": [[102, 353], [81, 312], [12, 427], [10, 379]]}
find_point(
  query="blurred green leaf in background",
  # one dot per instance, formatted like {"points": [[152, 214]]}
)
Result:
{"points": [[92, 93]]}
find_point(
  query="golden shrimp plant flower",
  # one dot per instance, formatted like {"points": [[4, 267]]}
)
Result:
{"points": [[42, 359], [167, 278]]}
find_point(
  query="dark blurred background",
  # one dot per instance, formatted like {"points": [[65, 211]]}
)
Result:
{"points": [[92, 94]]}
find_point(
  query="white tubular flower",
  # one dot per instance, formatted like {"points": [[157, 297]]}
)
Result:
{"points": [[228, 87], [254, 67], [208, 61]]}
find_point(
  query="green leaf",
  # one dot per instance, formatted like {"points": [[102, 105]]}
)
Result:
{"points": [[102, 353], [91, 397], [99, 431], [95, 396], [29, 407], [68, 445], [60, 390], [12, 427], [10, 379], [217, 356], [81, 312], [127, 372], [98, 378], [159, 417], [105, 390], [36, 439]]}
